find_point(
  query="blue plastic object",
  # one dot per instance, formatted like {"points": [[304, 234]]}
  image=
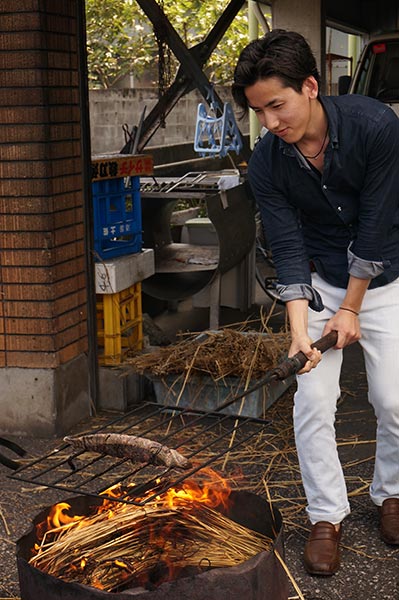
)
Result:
{"points": [[216, 135], [117, 217]]}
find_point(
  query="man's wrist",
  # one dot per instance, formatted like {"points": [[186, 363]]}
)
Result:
{"points": [[351, 310]]}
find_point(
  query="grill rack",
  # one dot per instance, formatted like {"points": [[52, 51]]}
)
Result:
{"points": [[86, 473], [193, 181]]}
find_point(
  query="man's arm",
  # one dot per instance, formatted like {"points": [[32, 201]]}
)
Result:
{"points": [[345, 322], [300, 340], [282, 230], [378, 200]]}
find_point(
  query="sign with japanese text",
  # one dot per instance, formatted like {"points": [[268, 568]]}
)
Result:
{"points": [[121, 165]]}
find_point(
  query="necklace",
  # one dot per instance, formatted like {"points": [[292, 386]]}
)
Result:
{"points": [[321, 148]]}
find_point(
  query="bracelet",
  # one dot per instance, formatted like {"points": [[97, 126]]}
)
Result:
{"points": [[349, 310]]}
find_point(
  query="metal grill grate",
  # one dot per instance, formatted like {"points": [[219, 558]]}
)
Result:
{"points": [[177, 428], [197, 435]]}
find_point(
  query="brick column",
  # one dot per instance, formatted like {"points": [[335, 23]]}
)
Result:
{"points": [[43, 328]]}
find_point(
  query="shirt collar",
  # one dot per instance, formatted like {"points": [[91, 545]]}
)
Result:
{"points": [[332, 117]]}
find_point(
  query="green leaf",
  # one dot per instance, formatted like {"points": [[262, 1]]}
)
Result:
{"points": [[120, 38]]}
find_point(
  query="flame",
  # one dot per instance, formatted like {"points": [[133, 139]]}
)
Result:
{"points": [[213, 490], [208, 488], [57, 518]]}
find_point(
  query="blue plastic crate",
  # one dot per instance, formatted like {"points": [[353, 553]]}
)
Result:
{"points": [[117, 217]]}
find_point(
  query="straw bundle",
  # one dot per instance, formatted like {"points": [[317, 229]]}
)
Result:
{"points": [[127, 548], [217, 353]]}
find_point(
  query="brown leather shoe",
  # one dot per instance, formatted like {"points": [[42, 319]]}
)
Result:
{"points": [[322, 549], [389, 521]]}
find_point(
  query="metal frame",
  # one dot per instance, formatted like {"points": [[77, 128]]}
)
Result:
{"points": [[190, 74], [79, 472]]}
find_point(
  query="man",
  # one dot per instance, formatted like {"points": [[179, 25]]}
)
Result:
{"points": [[326, 179]]}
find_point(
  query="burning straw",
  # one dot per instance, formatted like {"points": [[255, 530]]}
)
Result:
{"points": [[125, 545]]}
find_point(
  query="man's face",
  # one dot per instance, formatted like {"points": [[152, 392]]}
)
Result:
{"points": [[282, 110]]}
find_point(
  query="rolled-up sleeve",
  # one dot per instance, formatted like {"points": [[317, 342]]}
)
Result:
{"points": [[297, 291], [365, 269], [283, 232], [378, 200]]}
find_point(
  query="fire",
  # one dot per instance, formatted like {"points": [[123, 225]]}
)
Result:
{"points": [[161, 536], [57, 518], [213, 490], [210, 489]]}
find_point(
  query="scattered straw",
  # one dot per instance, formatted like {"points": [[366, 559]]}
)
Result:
{"points": [[267, 464], [7, 529], [288, 573]]}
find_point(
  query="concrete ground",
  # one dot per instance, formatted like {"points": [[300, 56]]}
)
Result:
{"points": [[369, 568]]}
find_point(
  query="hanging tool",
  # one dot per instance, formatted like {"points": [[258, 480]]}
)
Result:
{"points": [[132, 137], [129, 138], [216, 135]]}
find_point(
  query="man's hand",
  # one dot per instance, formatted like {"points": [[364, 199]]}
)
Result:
{"points": [[345, 321], [303, 344], [347, 325]]}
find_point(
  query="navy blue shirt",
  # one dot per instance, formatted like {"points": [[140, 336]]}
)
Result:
{"points": [[344, 220]]}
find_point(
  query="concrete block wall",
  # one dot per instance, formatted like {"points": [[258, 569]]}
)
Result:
{"points": [[111, 109]]}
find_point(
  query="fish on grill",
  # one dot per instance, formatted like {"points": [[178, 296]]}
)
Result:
{"points": [[137, 449]]}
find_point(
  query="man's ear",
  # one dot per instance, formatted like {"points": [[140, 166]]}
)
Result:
{"points": [[310, 87]]}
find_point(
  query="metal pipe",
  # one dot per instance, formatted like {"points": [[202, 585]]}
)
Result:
{"points": [[88, 212], [190, 74], [260, 16], [253, 32]]}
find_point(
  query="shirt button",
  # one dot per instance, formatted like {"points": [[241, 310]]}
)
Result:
{"points": [[324, 187], [339, 208]]}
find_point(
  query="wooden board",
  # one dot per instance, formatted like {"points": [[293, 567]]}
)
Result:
{"points": [[184, 258]]}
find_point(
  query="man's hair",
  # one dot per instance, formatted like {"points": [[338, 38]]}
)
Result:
{"points": [[280, 53]]}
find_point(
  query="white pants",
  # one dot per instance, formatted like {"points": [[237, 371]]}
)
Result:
{"points": [[318, 392]]}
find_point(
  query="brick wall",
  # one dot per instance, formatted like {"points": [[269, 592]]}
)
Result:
{"points": [[42, 267]]}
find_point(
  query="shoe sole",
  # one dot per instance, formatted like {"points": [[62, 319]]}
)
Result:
{"points": [[322, 573], [389, 542]]}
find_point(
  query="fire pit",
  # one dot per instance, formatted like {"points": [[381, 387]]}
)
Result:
{"points": [[259, 577]]}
